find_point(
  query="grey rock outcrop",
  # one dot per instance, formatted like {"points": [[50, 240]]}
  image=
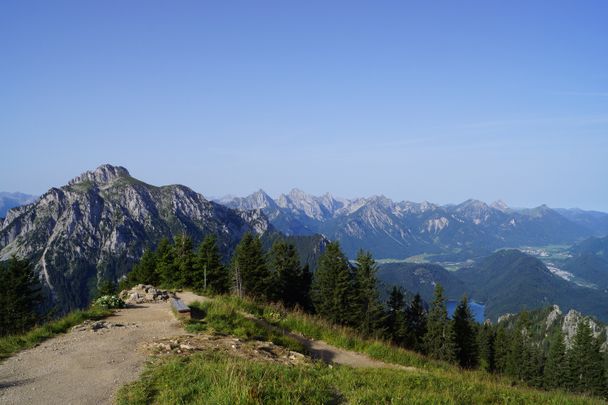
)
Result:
{"points": [[98, 225]]}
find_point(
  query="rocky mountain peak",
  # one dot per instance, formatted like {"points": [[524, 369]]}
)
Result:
{"points": [[104, 174], [500, 205]]}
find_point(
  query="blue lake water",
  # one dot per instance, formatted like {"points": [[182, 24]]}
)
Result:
{"points": [[476, 308]]}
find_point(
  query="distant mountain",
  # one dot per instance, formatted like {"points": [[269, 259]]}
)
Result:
{"points": [[12, 200], [509, 281], [589, 261], [506, 281], [595, 221], [401, 229], [421, 278], [98, 224]]}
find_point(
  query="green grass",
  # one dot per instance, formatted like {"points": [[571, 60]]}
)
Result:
{"points": [[223, 318], [220, 378], [12, 344]]}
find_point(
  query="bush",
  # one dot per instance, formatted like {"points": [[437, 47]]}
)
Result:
{"points": [[109, 302]]}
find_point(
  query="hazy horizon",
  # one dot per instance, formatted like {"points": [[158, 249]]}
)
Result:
{"points": [[482, 100]]}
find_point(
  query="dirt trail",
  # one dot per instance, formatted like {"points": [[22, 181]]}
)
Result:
{"points": [[86, 367]]}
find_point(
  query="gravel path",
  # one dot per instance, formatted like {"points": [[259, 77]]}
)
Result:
{"points": [[87, 367]]}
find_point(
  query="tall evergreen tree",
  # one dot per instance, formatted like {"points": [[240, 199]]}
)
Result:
{"points": [[415, 319], [333, 290], [465, 335], [370, 311], [293, 280], [184, 261], [502, 344], [19, 296], [524, 359], [165, 264], [585, 361], [250, 272], [144, 271], [439, 338], [556, 370], [486, 339], [396, 326], [209, 273]]}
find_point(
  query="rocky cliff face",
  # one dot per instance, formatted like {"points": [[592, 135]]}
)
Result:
{"points": [[99, 223]]}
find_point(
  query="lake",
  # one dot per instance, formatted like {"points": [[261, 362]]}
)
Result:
{"points": [[476, 308]]}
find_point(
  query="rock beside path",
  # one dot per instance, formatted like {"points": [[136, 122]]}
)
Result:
{"points": [[142, 293]]}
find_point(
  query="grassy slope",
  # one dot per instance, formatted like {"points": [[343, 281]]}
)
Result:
{"points": [[219, 378], [12, 344]]}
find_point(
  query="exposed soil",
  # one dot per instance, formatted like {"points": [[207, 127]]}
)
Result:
{"points": [[89, 364]]}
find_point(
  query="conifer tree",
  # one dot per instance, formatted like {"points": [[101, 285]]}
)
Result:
{"points": [[502, 345], [556, 370], [585, 362], [184, 261], [465, 335], [251, 275], [333, 287], [144, 271], [293, 280], [439, 338], [396, 327], [209, 273], [165, 264], [486, 339], [415, 319], [19, 296], [370, 312]]}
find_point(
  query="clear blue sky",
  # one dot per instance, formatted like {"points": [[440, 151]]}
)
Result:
{"points": [[428, 100]]}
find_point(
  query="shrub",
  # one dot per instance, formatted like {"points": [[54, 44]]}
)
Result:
{"points": [[109, 302]]}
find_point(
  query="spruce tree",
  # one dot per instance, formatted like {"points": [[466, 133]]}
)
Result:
{"points": [[585, 362], [396, 326], [209, 273], [333, 292], [439, 338], [486, 339], [465, 335], [502, 345], [293, 280], [556, 370], [415, 319], [251, 275], [184, 261], [20, 294], [165, 264], [370, 312], [144, 272]]}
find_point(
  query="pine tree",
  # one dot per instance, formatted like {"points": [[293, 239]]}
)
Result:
{"points": [[250, 273], [556, 371], [465, 335], [293, 280], [165, 264], [502, 345], [144, 272], [370, 312], [415, 319], [184, 261], [585, 362], [486, 339], [208, 271], [396, 327], [332, 290], [19, 296], [439, 338]]}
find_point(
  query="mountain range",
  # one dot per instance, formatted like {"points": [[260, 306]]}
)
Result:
{"points": [[98, 225], [12, 200], [398, 230], [507, 281]]}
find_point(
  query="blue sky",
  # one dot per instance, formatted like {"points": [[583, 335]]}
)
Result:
{"points": [[436, 100]]}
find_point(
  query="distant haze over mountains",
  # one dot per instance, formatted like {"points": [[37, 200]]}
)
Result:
{"points": [[12, 200], [400, 229]]}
